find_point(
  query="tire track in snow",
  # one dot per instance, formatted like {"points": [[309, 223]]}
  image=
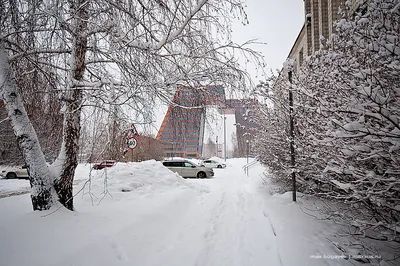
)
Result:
{"points": [[273, 230], [270, 223], [204, 258], [246, 254]]}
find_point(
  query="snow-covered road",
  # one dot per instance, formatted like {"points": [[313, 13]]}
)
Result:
{"points": [[229, 220]]}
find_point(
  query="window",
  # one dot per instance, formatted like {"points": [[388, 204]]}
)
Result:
{"points": [[188, 164], [301, 57], [167, 163], [173, 164]]}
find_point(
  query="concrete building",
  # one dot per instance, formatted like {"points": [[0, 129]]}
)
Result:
{"points": [[318, 21]]}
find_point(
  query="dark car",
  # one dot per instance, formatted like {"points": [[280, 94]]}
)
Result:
{"points": [[104, 164]]}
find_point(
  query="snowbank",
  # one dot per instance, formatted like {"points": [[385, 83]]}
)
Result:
{"points": [[13, 187], [142, 177]]}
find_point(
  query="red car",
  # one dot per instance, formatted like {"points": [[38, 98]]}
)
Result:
{"points": [[103, 164]]}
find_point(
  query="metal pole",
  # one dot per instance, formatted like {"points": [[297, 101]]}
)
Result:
{"points": [[224, 136], [247, 142], [216, 141], [292, 155]]}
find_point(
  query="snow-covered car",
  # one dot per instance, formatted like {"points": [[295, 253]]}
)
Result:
{"points": [[104, 164], [188, 169], [213, 164], [15, 172]]}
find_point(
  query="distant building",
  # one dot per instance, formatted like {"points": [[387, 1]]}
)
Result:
{"points": [[245, 111], [182, 130]]}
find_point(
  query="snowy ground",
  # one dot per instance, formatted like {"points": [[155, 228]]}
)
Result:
{"points": [[9, 187], [143, 214]]}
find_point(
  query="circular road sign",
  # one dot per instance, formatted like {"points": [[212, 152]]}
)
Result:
{"points": [[132, 142]]}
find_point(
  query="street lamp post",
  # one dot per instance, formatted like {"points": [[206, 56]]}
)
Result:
{"points": [[216, 145], [248, 148], [247, 144], [291, 132], [224, 136]]}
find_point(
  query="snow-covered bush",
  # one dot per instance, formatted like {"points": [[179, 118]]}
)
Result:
{"points": [[347, 114]]}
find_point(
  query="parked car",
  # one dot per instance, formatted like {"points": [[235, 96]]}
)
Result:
{"points": [[15, 172], [188, 169], [213, 164], [104, 164]]}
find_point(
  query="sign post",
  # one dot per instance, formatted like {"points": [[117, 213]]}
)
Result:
{"points": [[131, 139]]}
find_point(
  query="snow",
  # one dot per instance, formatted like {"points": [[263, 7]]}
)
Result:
{"points": [[344, 186], [13, 187], [163, 219], [289, 64]]}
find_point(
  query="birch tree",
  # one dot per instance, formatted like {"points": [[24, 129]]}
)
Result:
{"points": [[110, 53]]}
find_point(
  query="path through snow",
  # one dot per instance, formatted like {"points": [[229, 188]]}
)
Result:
{"points": [[233, 221]]}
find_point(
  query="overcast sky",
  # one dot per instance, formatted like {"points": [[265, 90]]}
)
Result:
{"points": [[275, 22]]}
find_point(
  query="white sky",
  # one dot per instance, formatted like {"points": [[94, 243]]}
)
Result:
{"points": [[274, 22]]}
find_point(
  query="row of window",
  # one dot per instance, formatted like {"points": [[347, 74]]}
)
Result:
{"points": [[179, 138], [181, 149], [182, 129], [185, 110], [173, 154], [195, 117], [178, 164], [179, 134]]}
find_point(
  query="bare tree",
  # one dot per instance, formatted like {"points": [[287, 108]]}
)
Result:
{"points": [[148, 148], [106, 52]]}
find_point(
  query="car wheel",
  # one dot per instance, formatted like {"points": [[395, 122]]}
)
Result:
{"points": [[201, 175], [11, 175], [219, 166]]}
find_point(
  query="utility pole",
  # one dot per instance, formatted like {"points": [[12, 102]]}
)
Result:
{"points": [[291, 133]]}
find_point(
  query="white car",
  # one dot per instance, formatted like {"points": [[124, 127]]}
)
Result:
{"points": [[15, 172], [188, 169], [212, 164]]}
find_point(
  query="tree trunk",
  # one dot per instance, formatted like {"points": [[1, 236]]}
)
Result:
{"points": [[43, 195], [72, 115]]}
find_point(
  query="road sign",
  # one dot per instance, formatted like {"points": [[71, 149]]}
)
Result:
{"points": [[132, 142], [133, 130]]}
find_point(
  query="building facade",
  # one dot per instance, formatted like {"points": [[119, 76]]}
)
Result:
{"points": [[318, 26]]}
